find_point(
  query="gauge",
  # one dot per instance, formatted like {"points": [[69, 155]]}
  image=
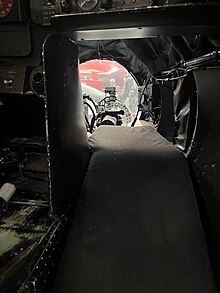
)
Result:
{"points": [[87, 5], [6, 7]]}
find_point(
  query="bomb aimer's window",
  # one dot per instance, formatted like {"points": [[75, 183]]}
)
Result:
{"points": [[113, 90]]}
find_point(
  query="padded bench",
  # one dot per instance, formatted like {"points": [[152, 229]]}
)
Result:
{"points": [[136, 227]]}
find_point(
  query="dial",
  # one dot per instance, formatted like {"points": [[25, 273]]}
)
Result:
{"points": [[6, 7], [87, 5]]}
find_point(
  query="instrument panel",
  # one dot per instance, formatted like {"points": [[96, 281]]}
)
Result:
{"points": [[43, 10], [86, 5], [6, 7], [13, 11], [102, 5]]}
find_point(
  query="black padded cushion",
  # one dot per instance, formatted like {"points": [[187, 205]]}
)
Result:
{"points": [[136, 228]]}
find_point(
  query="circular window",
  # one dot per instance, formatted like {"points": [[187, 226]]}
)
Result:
{"points": [[100, 76]]}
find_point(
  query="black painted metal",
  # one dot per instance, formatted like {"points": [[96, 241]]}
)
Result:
{"points": [[67, 137], [170, 20], [204, 157], [42, 275], [15, 40]]}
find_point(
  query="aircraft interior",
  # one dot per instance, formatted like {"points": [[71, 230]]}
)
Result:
{"points": [[109, 184]]}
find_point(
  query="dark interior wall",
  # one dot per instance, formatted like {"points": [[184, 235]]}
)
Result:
{"points": [[166, 125], [204, 158], [185, 111], [67, 138], [157, 53], [22, 116]]}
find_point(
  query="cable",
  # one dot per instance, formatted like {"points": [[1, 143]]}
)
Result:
{"points": [[90, 99], [88, 124], [139, 103], [103, 48], [93, 120], [134, 77], [181, 69], [98, 51]]}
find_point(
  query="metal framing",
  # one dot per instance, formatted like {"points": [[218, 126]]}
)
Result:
{"points": [[201, 19]]}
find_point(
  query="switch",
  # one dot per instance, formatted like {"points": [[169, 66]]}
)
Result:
{"points": [[8, 82]]}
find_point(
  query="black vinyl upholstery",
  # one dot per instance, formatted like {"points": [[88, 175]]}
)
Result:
{"points": [[136, 228]]}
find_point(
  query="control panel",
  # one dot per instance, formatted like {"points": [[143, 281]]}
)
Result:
{"points": [[12, 79], [42, 11], [5, 8], [13, 11], [100, 5]]}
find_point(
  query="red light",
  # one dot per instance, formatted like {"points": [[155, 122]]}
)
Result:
{"points": [[6, 7]]}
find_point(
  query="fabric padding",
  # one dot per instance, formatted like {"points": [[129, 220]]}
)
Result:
{"points": [[136, 228]]}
